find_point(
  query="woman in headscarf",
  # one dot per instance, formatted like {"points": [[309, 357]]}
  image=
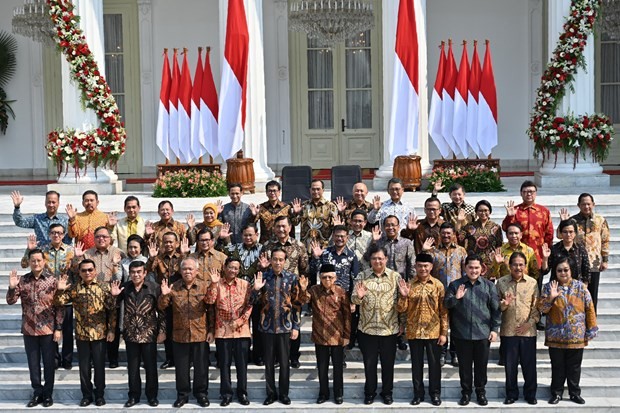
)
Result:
{"points": [[214, 225]]}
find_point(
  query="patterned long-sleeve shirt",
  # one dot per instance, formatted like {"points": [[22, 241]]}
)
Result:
{"points": [[83, 226], [57, 260], [192, 233], [427, 317], [389, 207], [477, 313], [249, 259], [107, 262], [448, 262], [532, 268], [450, 213], [41, 224], [577, 259], [189, 311], [142, 320], [378, 312], [522, 309], [482, 239], [347, 266], [160, 228], [207, 261], [267, 215], [165, 266], [317, 221], [296, 255], [537, 226], [570, 317], [422, 232], [94, 308], [351, 207], [593, 232], [359, 243], [331, 315], [278, 299], [238, 216], [400, 255], [40, 316], [232, 308]]}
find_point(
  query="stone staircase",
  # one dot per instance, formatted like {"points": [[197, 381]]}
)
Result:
{"points": [[600, 373]]}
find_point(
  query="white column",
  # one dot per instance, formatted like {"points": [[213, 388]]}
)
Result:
{"points": [[150, 153], [389, 23], [581, 101]]}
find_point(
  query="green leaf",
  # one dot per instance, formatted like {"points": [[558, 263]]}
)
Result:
{"points": [[8, 59]]}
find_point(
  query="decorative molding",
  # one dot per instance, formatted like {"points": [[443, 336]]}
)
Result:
{"points": [[147, 86]]}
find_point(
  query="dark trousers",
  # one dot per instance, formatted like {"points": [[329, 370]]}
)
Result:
{"points": [[595, 277], [565, 366], [168, 342], [355, 320], [433, 352], [257, 340], [112, 346], [95, 351], [375, 348], [474, 352], [520, 350], [147, 352], [37, 348], [227, 350], [294, 352], [198, 353], [277, 346], [323, 354], [66, 356], [449, 345]]}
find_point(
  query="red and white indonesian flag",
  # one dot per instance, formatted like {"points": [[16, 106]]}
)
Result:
{"points": [[196, 148], [173, 128], [163, 114], [434, 116], [459, 127], [447, 107], [234, 81], [208, 110], [487, 106], [185, 110], [472, 102], [403, 137]]}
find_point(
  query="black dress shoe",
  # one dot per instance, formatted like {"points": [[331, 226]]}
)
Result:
{"points": [[243, 400], [501, 362], [321, 399], [270, 400], [464, 400], [85, 402], [435, 400], [166, 364], [368, 399], [259, 362], [442, 360], [285, 400], [540, 326], [153, 402], [402, 345], [555, 399], [35, 401], [295, 364], [509, 400], [179, 402], [482, 400], [114, 364], [226, 401], [388, 399], [203, 401], [131, 402], [532, 401], [416, 400], [47, 402], [577, 399], [67, 365], [338, 400], [100, 401], [454, 362], [344, 364]]}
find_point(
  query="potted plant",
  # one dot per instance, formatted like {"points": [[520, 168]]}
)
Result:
{"points": [[8, 66]]}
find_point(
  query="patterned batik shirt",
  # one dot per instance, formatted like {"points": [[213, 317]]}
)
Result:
{"points": [[207, 261], [577, 259], [351, 207], [142, 320], [532, 268], [427, 318], [537, 226], [359, 243], [165, 266], [347, 266], [474, 316], [238, 216], [570, 317], [249, 259], [400, 256], [331, 315], [296, 255], [593, 232], [378, 312], [523, 308], [450, 213], [40, 316], [232, 308], [57, 260], [278, 299], [317, 221], [267, 215], [482, 239], [107, 263], [41, 224], [448, 262], [422, 232], [389, 207], [94, 308], [83, 227], [160, 228]]}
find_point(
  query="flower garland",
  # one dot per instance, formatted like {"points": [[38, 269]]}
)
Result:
{"points": [[570, 134], [104, 145]]}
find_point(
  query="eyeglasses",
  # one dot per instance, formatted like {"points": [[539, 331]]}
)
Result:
{"points": [[205, 240], [528, 191], [87, 270], [102, 236], [327, 277], [58, 233], [273, 190]]}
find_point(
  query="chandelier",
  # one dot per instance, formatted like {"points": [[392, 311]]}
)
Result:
{"points": [[33, 20], [609, 21], [331, 21]]}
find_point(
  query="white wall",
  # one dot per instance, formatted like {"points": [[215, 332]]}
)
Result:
{"points": [[506, 24]]}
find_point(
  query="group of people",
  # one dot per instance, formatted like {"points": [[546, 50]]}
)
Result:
{"points": [[370, 273]]}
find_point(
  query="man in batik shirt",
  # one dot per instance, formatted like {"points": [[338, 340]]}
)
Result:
{"points": [[267, 212], [316, 217], [82, 225]]}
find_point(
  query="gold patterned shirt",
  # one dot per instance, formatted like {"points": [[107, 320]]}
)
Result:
{"points": [[427, 318], [531, 269], [83, 226], [160, 228], [207, 261], [267, 215], [317, 221], [107, 262], [522, 309], [593, 231], [57, 260]]}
